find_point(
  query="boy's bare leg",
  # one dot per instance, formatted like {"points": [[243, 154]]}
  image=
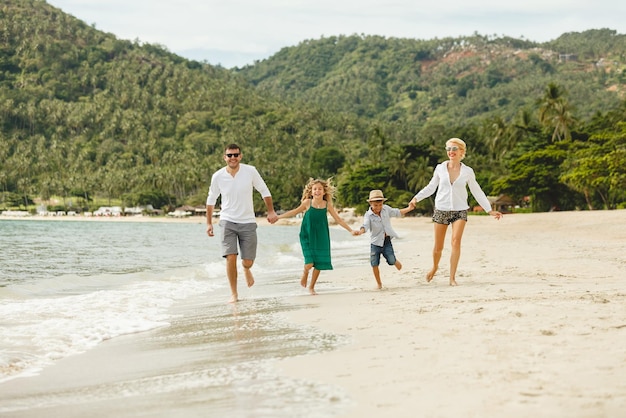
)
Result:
{"points": [[305, 275], [231, 273], [314, 276], [376, 271], [247, 265]]}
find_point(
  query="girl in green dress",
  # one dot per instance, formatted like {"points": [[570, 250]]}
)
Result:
{"points": [[317, 203]]}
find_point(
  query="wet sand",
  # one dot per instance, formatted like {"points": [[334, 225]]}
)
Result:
{"points": [[536, 327]]}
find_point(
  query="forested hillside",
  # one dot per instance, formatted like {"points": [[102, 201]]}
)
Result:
{"points": [[85, 115], [456, 80]]}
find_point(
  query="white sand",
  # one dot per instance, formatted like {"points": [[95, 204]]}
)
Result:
{"points": [[536, 327]]}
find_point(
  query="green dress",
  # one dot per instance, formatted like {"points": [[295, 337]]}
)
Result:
{"points": [[315, 238]]}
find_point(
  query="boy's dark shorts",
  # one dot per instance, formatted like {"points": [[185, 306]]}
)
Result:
{"points": [[386, 250]]}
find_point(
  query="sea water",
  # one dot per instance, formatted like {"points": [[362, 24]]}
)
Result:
{"points": [[67, 286]]}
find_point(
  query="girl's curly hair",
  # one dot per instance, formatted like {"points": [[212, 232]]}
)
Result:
{"points": [[329, 189]]}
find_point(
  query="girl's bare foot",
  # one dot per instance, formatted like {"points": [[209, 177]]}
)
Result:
{"points": [[430, 275], [305, 278], [249, 277], [453, 282]]}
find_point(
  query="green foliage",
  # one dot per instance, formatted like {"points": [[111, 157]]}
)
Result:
{"points": [[86, 115], [326, 162]]}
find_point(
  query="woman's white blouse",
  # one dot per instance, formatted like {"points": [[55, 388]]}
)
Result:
{"points": [[453, 196]]}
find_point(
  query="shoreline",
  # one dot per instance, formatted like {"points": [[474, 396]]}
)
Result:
{"points": [[535, 327]]}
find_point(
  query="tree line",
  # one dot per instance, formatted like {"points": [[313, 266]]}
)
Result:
{"points": [[84, 115]]}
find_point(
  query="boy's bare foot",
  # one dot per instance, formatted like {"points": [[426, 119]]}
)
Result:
{"points": [[233, 299], [453, 282], [430, 275], [398, 265], [249, 277], [379, 287], [312, 291]]}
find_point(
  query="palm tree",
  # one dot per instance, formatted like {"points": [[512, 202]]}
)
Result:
{"points": [[556, 113]]}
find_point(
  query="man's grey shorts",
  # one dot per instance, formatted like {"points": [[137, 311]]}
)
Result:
{"points": [[242, 234]]}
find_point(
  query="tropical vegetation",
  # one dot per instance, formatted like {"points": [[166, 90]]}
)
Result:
{"points": [[85, 116]]}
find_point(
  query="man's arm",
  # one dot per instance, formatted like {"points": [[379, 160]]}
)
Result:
{"points": [[209, 220]]}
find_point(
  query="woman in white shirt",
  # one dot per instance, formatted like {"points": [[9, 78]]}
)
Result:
{"points": [[451, 179]]}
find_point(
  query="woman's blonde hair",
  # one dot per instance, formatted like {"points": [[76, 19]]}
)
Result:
{"points": [[329, 189], [459, 143]]}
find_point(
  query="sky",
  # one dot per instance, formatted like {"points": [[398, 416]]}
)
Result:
{"points": [[235, 33]]}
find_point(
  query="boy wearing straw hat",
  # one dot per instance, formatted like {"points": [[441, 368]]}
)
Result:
{"points": [[377, 220]]}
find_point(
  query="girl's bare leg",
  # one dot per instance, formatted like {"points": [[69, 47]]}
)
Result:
{"points": [[314, 276], [440, 235], [457, 234], [305, 275]]}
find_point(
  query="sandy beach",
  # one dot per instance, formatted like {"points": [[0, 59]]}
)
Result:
{"points": [[536, 327]]}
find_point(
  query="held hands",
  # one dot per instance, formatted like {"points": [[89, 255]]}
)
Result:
{"points": [[272, 217], [496, 214]]}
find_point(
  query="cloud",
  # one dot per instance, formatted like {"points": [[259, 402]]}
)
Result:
{"points": [[241, 31]]}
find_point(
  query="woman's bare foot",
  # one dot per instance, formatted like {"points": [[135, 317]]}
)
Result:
{"points": [[453, 282], [430, 275], [249, 276], [233, 299]]}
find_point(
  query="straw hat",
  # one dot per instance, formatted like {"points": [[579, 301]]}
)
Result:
{"points": [[376, 195]]}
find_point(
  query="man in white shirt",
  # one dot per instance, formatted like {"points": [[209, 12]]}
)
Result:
{"points": [[235, 183]]}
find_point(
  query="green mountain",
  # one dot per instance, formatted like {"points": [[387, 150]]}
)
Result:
{"points": [[456, 80], [85, 115]]}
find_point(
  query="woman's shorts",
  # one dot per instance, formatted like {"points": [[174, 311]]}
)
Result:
{"points": [[446, 217]]}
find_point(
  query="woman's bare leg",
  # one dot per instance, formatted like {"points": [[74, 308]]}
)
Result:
{"points": [[457, 234], [440, 235]]}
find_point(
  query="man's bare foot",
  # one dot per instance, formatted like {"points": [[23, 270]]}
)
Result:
{"points": [[312, 291], [249, 276], [233, 299], [453, 282], [430, 275], [398, 265]]}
